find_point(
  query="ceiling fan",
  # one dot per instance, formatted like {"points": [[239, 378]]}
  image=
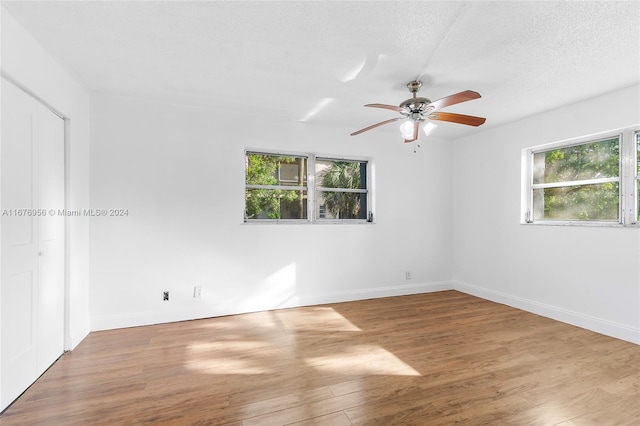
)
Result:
{"points": [[417, 110]]}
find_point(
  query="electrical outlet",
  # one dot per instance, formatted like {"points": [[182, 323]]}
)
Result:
{"points": [[407, 275], [197, 292], [165, 295]]}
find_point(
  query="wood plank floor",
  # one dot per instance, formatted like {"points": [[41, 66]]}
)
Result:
{"points": [[431, 359]]}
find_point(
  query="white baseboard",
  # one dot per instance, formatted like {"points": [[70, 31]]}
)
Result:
{"points": [[619, 331], [184, 313], [375, 293]]}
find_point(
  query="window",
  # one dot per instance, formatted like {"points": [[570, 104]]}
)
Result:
{"points": [[583, 181], [341, 189], [580, 182], [305, 188], [637, 185], [276, 186]]}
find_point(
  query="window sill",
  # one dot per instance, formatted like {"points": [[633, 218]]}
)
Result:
{"points": [[580, 224], [307, 222]]}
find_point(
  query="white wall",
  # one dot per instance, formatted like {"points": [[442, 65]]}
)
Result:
{"points": [[180, 173], [25, 61], [586, 276]]}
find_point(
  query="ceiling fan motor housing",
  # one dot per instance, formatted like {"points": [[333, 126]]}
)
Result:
{"points": [[415, 107]]}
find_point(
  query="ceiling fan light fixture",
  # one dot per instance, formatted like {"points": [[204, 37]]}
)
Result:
{"points": [[406, 128], [428, 127]]}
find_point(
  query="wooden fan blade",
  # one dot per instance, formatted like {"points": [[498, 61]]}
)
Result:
{"points": [[465, 96], [391, 107], [373, 126], [416, 130], [469, 120]]}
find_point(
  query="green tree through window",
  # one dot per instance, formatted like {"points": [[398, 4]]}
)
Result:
{"points": [[578, 182], [344, 175], [591, 180], [276, 187], [586, 165], [304, 187]]}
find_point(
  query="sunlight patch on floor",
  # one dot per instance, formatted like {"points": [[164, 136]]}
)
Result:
{"points": [[264, 341], [227, 365], [363, 359], [314, 319], [227, 357]]}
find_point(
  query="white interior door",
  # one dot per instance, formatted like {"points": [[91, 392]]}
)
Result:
{"points": [[32, 250], [49, 134]]}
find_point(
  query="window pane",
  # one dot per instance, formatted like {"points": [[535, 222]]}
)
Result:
{"points": [[276, 204], [581, 202], [638, 153], [265, 169], [588, 161], [638, 173], [341, 205], [341, 174]]}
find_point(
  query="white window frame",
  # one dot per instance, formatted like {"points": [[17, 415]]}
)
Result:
{"points": [[633, 190], [311, 188], [627, 178]]}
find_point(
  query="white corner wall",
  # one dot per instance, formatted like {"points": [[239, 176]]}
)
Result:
{"points": [[586, 276], [26, 62], [180, 173]]}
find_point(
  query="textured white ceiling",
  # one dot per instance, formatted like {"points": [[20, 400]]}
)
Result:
{"points": [[321, 61]]}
